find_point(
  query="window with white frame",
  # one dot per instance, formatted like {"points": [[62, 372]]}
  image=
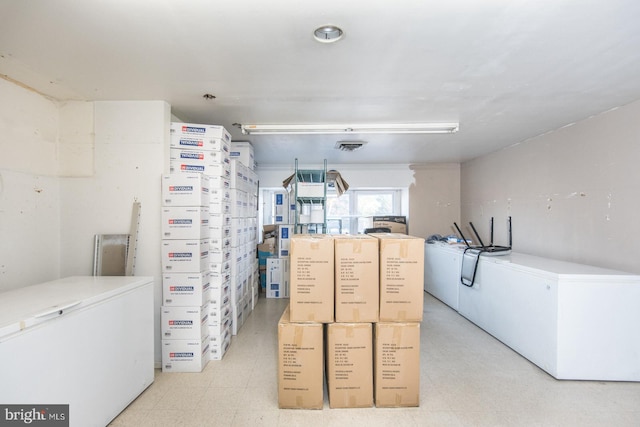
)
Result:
{"points": [[349, 213]]}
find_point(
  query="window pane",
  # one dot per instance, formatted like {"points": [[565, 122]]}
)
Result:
{"points": [[338, 206], [375, 204]]}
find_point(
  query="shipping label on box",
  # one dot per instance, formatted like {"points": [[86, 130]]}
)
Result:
{"points": [[283, 240], [196, 156], [281, 207], [195, 142], [277, 278], [185, 289], [401, 277], [217, 195], [219, 182], [350, 365], [311, 283], [217, 169], [219, 349], [219, 327], [200, 130], [300, 364], [185, 222], [357, 278], [218, 219], [220, 294], [185, 355], [184, 322], [397, 364], [185, 256], [188, 189]]}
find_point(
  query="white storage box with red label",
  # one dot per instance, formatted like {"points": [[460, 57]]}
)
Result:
{"points": [[185, 222], [185, 189]]}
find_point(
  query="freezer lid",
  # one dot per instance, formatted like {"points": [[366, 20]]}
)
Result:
{"points": [[31, 305]]}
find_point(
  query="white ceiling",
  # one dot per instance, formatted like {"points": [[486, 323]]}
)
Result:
{"points": [[507, 70]]}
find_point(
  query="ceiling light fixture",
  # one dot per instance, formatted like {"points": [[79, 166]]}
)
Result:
{"points": [[328, 34], [349, 129]]}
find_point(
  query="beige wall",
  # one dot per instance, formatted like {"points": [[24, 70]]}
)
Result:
{"points": [[573, 193], [434, 199]]}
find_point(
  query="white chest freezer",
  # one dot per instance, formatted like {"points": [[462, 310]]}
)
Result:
{"points": [[82, 341]]}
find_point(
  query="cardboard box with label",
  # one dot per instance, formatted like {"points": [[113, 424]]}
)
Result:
{"points": [[395, 224], [185, 189], [277, 285], [283, 239], [184, 323], [349, 365], [300, 364], [311, 282], [397, 364], [186, 289], [401, 277], [189, 355], [185, 222], [357, 285]]}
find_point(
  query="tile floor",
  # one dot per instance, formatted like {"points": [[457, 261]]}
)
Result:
{"points": [[468, 378]]}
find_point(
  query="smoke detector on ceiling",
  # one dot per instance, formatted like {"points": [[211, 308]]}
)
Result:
{"points": [[350, 145]]}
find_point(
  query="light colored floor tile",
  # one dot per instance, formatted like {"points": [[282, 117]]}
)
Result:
{"points": [[468, 378]]}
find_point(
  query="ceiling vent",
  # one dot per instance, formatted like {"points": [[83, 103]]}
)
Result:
{"points": [[349, 145]]}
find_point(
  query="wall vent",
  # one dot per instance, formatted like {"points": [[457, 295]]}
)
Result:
{"points": [[349, 145]]}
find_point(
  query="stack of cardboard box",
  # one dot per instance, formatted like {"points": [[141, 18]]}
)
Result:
{"points": [[367, 291]]}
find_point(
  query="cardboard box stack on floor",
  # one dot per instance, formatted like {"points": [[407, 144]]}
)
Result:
{"points": [[367, 291], [397, 334]]}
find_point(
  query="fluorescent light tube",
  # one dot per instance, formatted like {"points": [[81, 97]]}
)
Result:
{"points": [[349, 129]]}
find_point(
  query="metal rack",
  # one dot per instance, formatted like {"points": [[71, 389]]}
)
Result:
{"points": [[309, 190]]}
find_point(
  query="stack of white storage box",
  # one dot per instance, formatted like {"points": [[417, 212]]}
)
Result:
{"points": [[184, 315], [244, 226], [203, 151]]}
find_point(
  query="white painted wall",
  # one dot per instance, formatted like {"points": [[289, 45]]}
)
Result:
{"points": [[572, 193], [131, 140], [29, 189], [435, 199]]}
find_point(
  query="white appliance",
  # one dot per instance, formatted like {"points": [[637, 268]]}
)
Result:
{"points": [[82, 341], [442, 266]]}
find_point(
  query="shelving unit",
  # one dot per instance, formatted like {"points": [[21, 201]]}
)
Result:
{"points": [[309, 190]]}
